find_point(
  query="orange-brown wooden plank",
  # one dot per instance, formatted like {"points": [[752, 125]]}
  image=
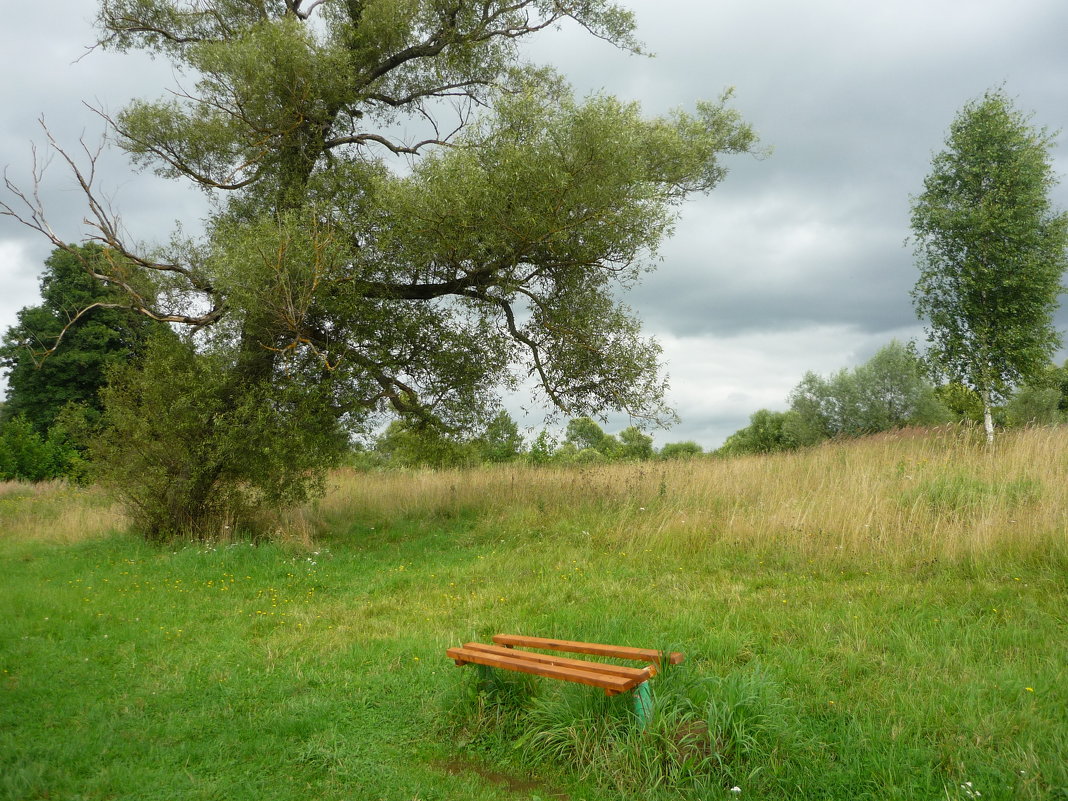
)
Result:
{"points": [[592, 648], [611, 684], [641, 674]]}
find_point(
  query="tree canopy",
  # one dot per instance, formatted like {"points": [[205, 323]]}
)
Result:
{"points": [[991, 251], [888, 391], [368, 272], [99, 331]]}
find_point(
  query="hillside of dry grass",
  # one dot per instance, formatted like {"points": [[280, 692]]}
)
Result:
{"points": [[900, 497]]}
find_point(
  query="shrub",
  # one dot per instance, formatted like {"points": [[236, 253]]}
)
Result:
{"points": [[27, 456], [681, 450], [1034, 406], [190, 453]]}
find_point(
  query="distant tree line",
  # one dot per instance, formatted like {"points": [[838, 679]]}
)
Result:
{"points": [[584, 441], [889, 391]]}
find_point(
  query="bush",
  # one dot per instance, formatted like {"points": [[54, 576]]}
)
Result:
{"points": [[1034, 406], [192, 452], [681, 450], [501, 440], [408, 444], [768, 432], [27, 456], [635, 444], [542, 449]]}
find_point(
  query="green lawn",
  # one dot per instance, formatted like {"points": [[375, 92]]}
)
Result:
{"points": [[271, 672]]}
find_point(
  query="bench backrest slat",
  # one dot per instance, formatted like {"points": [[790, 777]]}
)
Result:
{"points": [[641, 674], [592, 648]]}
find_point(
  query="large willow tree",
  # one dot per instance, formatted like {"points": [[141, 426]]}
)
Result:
{"points": [[406, 217]]}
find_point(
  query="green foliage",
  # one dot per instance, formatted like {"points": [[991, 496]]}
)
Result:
{"points": [[584, 434], [41, 383], [991, 250], [542, 448], [768, 432], [888, 391], [405, 444], [635, 445], [1034, 406], [181, 478], [963, 403], [24, 454], [680, 450], [501, 440], [1043, 400], [1057, 378], [893, 390], [407, 281]]}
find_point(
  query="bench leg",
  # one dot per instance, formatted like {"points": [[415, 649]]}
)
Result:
{"points": [[485, 676], [643, 704]]}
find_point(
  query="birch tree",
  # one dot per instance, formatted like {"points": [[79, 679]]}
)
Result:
{"points": [[991, 251]]}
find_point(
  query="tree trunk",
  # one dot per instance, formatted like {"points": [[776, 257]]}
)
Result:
{"points": [[988, 419]]}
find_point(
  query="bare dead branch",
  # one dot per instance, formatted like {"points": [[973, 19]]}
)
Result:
{"points": [[107, 231]]}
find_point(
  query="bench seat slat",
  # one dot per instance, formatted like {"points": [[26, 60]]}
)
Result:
{"points": [[611, 684], [641, 674], [592, 648]]}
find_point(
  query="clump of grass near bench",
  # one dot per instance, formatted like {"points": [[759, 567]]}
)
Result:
{"points": [[706, 734]]}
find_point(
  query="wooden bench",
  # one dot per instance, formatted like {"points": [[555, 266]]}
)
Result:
{"points": [[613, 679]]}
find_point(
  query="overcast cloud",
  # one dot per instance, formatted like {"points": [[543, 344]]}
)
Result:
{"points": [[796, 262]]}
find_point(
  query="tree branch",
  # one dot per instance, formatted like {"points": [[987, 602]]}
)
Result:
{"points": [[172, 158], [444, 90], [362, 139], [106, 226]]}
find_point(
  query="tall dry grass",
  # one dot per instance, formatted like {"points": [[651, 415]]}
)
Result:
{"points": [[900, 497], [53, 511]]}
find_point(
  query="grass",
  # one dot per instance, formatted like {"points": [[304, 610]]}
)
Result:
{"points": [[897, 499], [873, 660]]}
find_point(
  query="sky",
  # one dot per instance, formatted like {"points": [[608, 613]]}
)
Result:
{"points": [[796, 262]]}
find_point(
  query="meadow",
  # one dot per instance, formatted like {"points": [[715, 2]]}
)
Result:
{"points": [[883, 618]]}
